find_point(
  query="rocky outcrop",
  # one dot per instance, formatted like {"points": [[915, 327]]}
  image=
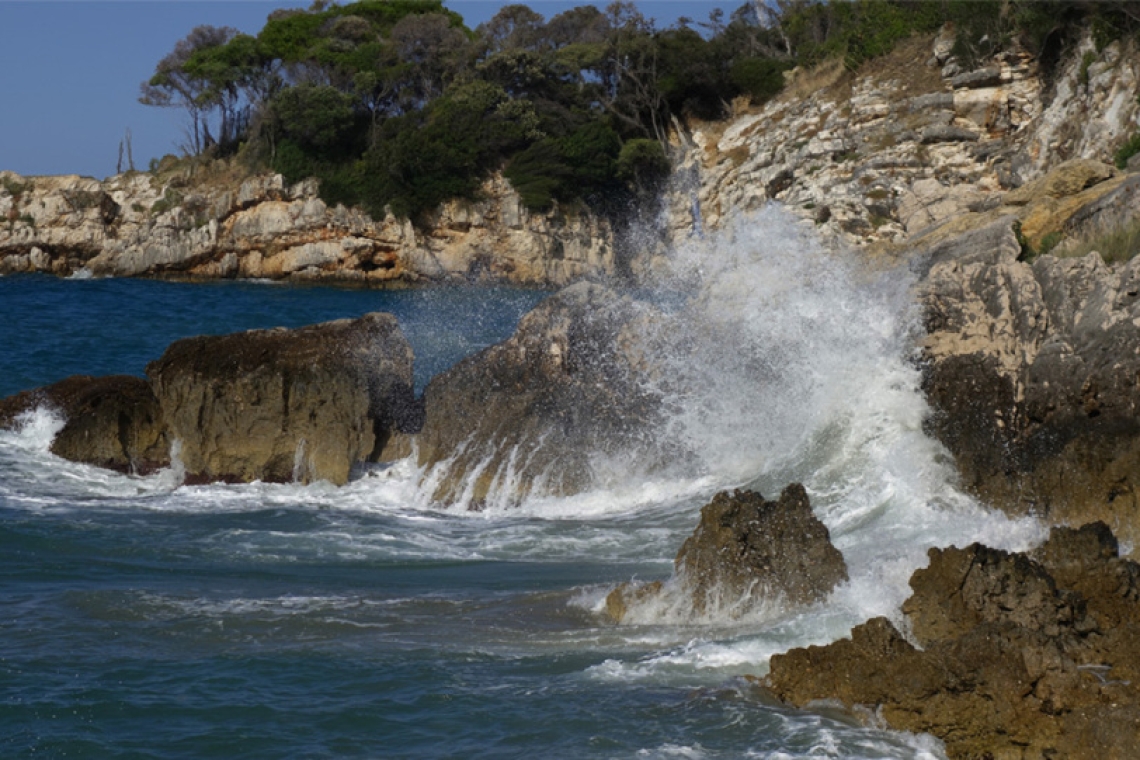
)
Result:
{"points": [[1017, 656], [1031, 370], [212, 224], [546, 409], [878, 156], [286, 405], [747, 551], [113, 422]]}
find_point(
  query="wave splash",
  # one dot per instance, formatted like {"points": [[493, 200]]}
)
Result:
{"points": [[784, 361]]}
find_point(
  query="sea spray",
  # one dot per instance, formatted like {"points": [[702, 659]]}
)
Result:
{"points": [[792, 362]]}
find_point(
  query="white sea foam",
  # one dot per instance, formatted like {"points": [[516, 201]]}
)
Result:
{"points": [[34, 430]]}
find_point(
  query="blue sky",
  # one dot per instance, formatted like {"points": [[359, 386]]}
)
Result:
{"points": [[70, 71]]}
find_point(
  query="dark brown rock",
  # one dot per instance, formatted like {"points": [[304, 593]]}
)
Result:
{"points": [[282, 405], [1024, 657], [746, 550], [964, 588], [745, 545], [113, 422], [536, 410]]}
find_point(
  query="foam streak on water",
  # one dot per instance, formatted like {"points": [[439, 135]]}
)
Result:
{"points": [[289, 620]]}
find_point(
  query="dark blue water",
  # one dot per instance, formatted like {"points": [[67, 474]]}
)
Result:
{"points": [[143, 620], [55, 328]]}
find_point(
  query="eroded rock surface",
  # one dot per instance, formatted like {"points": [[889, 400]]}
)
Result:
{"points": [[911, 142], [1021, 656], [206, 224], [113, 422], [282, 405], [745, 551], [546, 409], [1031, 369]]}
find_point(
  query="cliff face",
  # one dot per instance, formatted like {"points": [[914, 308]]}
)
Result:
{"points": [[909, 142], [138, 225]]}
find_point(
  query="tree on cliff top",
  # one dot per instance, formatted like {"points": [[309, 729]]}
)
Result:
{"points": [[177, 83]]}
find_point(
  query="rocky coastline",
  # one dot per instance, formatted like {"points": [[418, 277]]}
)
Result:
{"points": [[204, 222], [1029, 363], [875, 159]]}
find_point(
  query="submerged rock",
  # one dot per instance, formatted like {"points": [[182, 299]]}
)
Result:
{"points": [[745, 551], [282, 405], [543, 410], [113, 422], [1021, 656]]}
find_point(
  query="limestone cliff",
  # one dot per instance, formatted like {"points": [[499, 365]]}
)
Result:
{"points": [[195, 226], [910, 141]]}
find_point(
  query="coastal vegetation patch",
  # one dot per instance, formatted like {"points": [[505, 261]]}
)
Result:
{"points": [[397, 106]]}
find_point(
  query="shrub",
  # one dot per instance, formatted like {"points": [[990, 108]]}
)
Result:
{"points": [[539, 174], [315, 116], [759, 78], [1127, 151], [1086, 61], [81, 200], [14, 187], [441, 153], [170, 198], [1049, 242], [642, 164]]}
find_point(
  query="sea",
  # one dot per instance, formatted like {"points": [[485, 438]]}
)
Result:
{"points": [[140, 618]]}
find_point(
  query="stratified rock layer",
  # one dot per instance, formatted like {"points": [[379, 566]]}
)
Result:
{"points": [[205, 222], [746, 551], [1022, 656], [543, 410], [910, 142], [283, 405], [113, 422]]}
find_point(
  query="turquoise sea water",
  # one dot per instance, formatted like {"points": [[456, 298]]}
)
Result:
{"points": [[139, 619]]}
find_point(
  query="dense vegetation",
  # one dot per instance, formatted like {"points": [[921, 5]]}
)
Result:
{"points": [[395, 103]]}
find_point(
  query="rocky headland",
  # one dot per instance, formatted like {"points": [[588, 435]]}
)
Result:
{"points": [[875, 158]]}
